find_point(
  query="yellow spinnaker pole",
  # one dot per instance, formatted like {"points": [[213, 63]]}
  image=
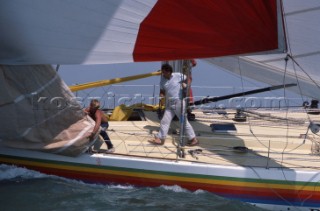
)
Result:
{"points": [[78, 87]]}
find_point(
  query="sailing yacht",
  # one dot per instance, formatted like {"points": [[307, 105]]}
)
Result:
{"points": [[266, 157]]}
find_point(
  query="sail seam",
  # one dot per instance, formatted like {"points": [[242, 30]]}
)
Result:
{"points": [[72, 141], [22, 97]]}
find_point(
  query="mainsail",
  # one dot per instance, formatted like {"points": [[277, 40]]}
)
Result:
{"points": [[300, 63], [113, 31]]}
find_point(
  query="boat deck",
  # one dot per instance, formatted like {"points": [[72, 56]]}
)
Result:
{"points": [[269, 139]]}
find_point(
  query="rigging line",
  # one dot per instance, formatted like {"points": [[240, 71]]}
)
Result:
{"points": [[241, 77], [305, 72], [298, 83], [295, 71], [242, 85], [278, 59], [286, 121], [285, 26], [297, 79], [289, 48], [88, 93], [105, 90], [286, 62], [293, 59], [105, 93]]}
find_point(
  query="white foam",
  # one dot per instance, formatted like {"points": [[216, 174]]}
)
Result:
{"points": [[174, 188], [10, 172], [126, 187]]}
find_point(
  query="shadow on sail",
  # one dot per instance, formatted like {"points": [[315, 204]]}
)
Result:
{"points": [[40, 112]]}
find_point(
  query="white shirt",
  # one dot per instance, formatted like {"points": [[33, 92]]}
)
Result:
{"points": [[172, 86]]}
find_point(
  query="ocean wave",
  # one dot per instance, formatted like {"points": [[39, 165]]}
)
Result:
{"points": [[126, 187], [174, 188], [9, 172]]}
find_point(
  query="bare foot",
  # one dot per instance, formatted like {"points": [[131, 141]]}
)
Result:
{"points": [[156, 141], [193, 142]]}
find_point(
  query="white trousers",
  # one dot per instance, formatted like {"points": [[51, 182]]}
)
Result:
{"points": [[174, 108]]}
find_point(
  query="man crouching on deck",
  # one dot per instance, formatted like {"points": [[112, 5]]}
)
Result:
{"points": [[100, 120]]}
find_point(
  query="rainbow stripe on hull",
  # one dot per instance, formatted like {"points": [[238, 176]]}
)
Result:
{"points": [[256, 191]]}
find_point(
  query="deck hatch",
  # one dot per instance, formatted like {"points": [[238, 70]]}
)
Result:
{"points": [[223, 128]]}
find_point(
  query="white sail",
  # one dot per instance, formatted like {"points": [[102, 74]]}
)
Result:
{"points": [[113, 31], [70, 32], [301, 62], [102, 32]]}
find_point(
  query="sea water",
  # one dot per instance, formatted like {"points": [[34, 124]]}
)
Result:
{"points": [[23, 189]]}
